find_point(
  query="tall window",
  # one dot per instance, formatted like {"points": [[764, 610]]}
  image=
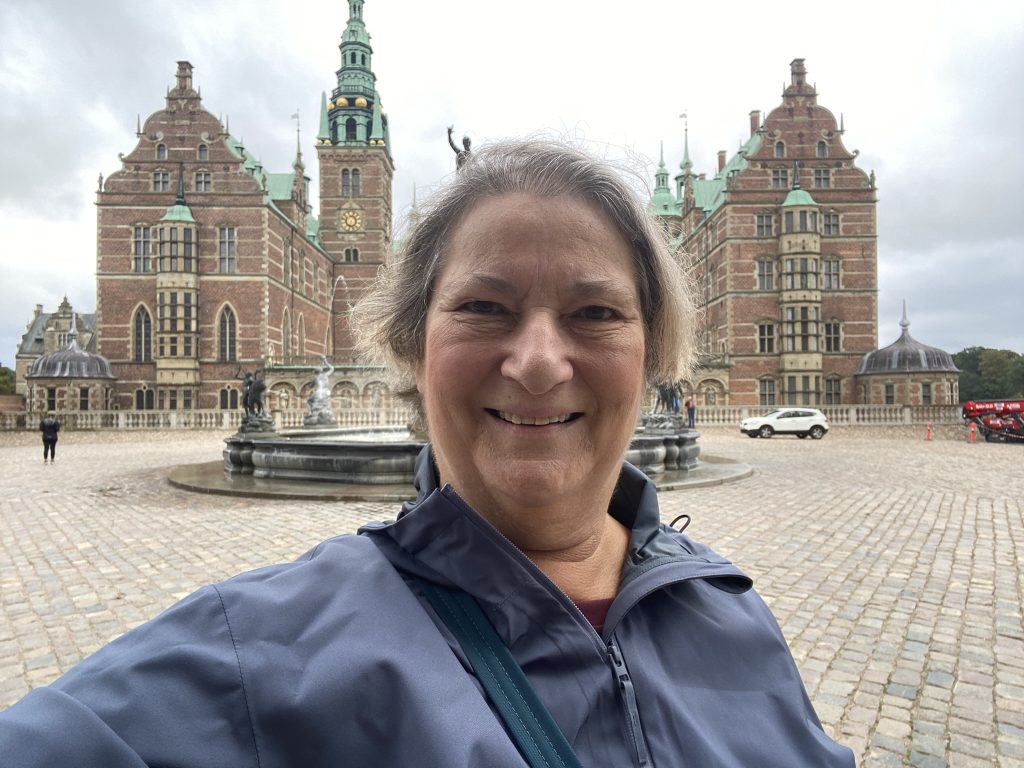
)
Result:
{"points": [[765, 275], [766, 392], [142, 249], [228, 399], [780, 178], [51, 398], [764, 225], [822, 149], [161, 151], [161, 181], [83, 398], [800, 332], [176, 249], [822, 178], [780, 149], [203, 181], [926, 393], [226, 249], [800, 273], [832, 337], [766, 338], [833, 391], [226, 324], [890, 394], [830, 224], [351, 255], [204, 152], [350, 183], [830, 274], [350, 129], [142, 347]]}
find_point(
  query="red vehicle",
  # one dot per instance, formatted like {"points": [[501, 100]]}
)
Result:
{"points": [[997, 420]]}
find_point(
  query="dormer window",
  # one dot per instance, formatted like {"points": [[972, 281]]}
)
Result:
{"points": [[780, 149], [161, 151], [204, 152], [822, 149]]}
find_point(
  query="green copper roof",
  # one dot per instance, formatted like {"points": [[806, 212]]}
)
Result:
{"points": [[279, 185], [798, 196], [709, 194], [313, 229], [179, 212]]}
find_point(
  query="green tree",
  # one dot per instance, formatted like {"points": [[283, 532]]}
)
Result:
{"points": [[990, 374], [6, 380]]}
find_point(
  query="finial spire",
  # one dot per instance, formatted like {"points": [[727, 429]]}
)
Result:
{"points": [[686, 165], [904, 322], [72, 333]]}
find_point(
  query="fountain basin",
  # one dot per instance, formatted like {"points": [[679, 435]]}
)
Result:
{"points": [[387, 455]]}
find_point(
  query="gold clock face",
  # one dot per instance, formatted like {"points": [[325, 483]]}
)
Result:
{"points": [[351, 221]]}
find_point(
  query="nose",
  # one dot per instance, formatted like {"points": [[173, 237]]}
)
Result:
{"points": [[538, 354]]}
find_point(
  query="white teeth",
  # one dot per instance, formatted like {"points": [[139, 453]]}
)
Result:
{"points": [[539, 422]]}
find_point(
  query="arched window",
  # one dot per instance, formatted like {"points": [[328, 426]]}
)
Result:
{"points": [[780, 149], [346, 183], [351, 255], [355, 183], [204, 152], [142, 348], [362, 57], [350, 129], [286, 336], [227, 349], [161, 151], [822, 149], [300, 347]]}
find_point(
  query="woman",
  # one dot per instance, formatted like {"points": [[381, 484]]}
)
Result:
{"points": [[49, 426], [531, 307]]}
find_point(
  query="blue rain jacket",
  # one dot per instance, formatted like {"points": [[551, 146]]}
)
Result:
{"points": [[335, 660]]}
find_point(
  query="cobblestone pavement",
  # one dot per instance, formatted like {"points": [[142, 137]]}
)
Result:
{"points": [[894, 566]]}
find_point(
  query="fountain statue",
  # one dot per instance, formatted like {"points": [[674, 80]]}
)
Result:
{"points": [[318, 406], [256, 418]]}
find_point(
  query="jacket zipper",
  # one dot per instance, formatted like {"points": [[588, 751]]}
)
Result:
{"points": [[629, 701], [625, 684]]}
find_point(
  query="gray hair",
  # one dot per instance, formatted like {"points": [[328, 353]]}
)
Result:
{"points": [[390, 321]]}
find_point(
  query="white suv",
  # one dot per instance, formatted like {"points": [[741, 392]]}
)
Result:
{"points": [[787, 421]]}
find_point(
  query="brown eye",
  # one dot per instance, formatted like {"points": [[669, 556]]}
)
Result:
{"points": [[594, 312], [481, 308]]}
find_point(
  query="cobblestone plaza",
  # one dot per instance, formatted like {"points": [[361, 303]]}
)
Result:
{"points": [[894, 566]]}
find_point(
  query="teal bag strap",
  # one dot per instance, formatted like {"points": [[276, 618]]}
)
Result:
{"points": [[528, 721]]}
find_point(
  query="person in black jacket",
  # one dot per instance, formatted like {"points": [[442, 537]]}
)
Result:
{"points": [[49, 426]]}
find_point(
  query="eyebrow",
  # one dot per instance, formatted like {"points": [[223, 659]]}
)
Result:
{"points": [[584, 288]]}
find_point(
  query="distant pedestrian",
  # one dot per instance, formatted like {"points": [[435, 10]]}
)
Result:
{"points": [[49, 426], [691, 412]]}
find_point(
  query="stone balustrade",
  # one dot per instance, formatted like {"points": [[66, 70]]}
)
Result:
{"points": [[717, 415]]}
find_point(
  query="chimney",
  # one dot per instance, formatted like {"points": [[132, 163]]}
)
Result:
{"points": [[755, 121], [798, 72], [721, 160], [184, 76]]}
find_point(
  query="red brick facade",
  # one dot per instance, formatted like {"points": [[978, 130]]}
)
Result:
{"points": [[251, 278], [787, 284]]}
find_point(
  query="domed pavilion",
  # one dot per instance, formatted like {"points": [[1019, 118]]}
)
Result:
{"points": [[70, 379], [908, 372]]}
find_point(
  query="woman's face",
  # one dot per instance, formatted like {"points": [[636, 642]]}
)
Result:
{"points": [[533, 367]]}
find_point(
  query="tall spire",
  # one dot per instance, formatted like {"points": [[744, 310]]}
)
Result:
{"points": [[353, 114], [662, 201]]}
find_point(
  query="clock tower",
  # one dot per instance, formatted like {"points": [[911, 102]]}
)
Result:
{"points": [[356, 169]]}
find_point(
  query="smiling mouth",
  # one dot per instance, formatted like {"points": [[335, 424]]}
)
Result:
{"points": [[530, 421]]}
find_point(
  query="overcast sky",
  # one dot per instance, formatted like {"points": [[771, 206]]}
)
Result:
{"points": [[931, 98]]}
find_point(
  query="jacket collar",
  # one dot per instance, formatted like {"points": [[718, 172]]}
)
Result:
{"points": [[441, 538]]}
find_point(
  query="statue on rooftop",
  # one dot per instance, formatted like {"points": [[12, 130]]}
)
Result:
{"points": [[461, 155]]}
